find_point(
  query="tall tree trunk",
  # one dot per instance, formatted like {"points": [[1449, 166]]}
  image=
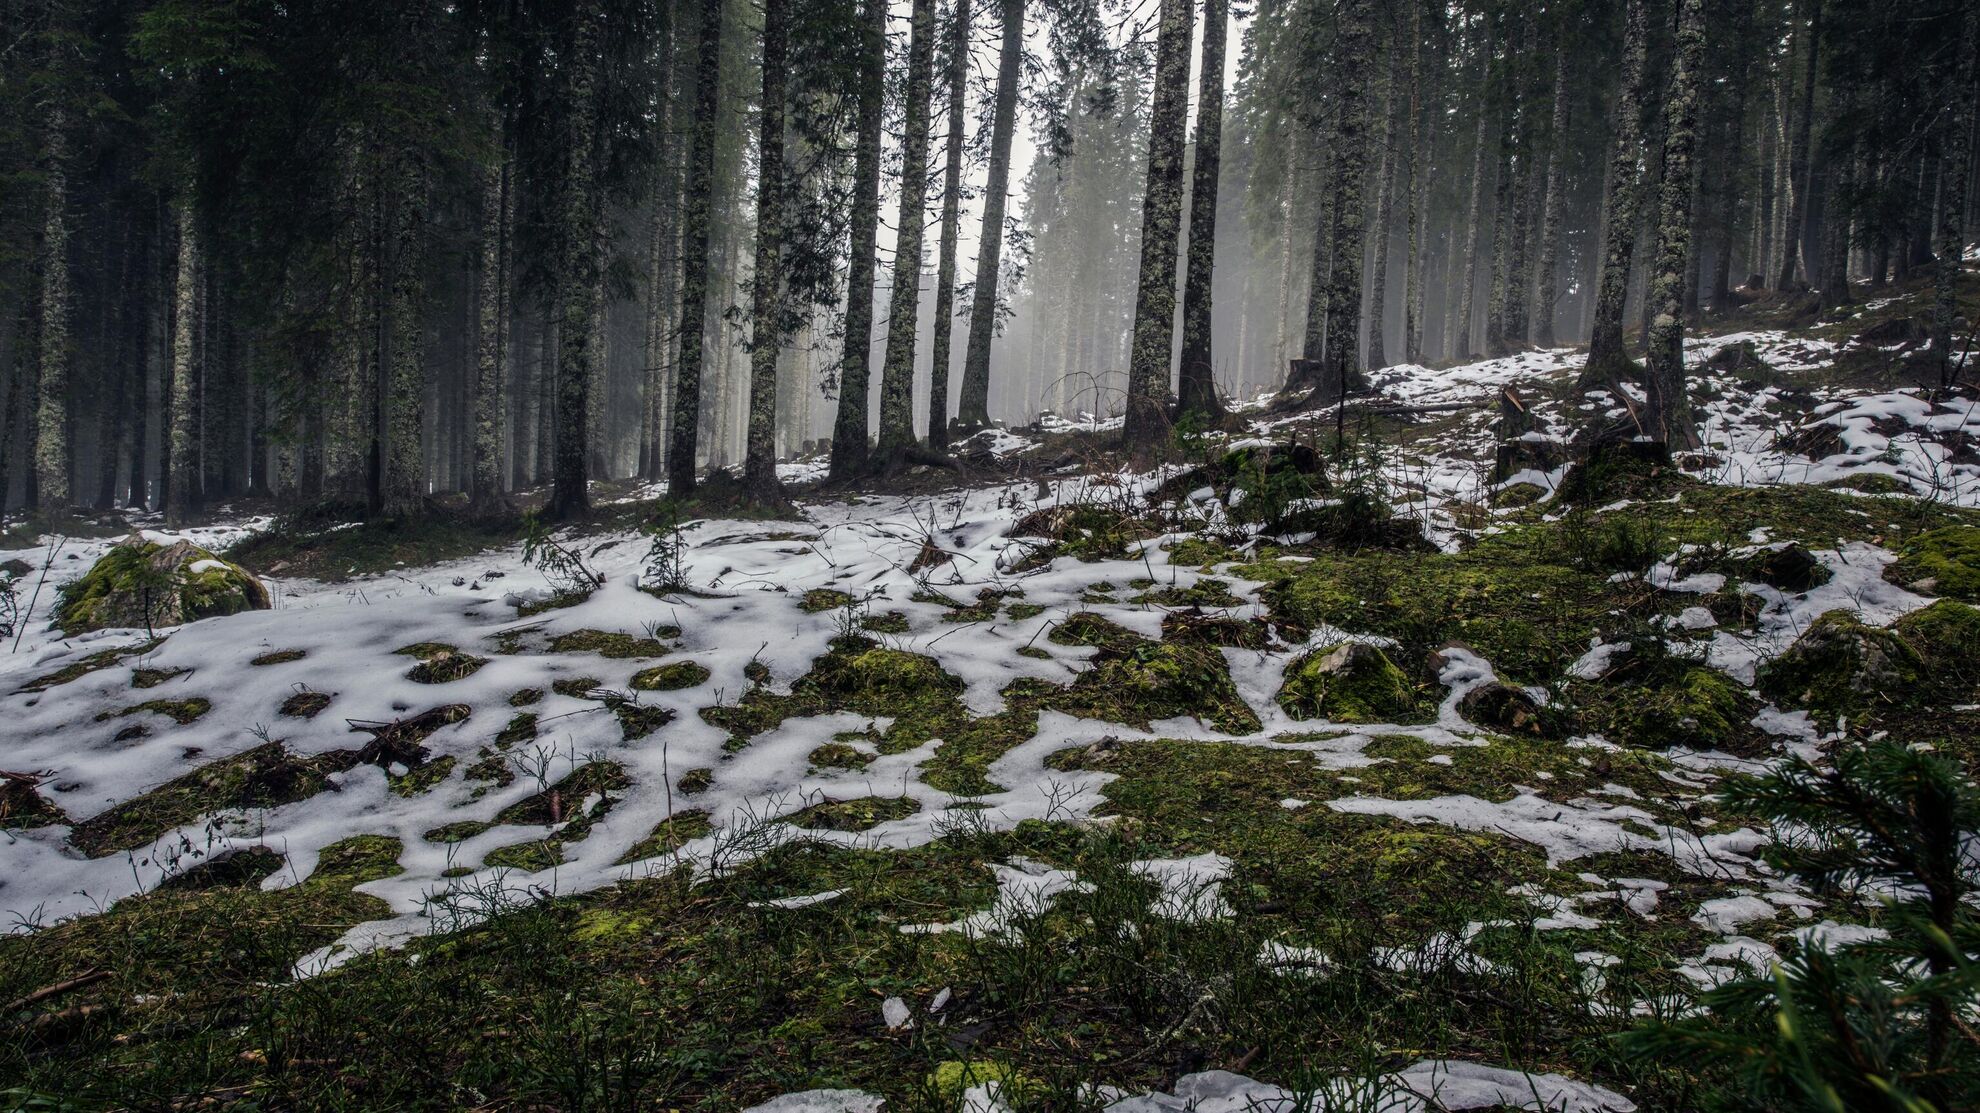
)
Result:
{"points": [[403, 481], [1385, 203], [849, 427], [1197, 383], [766, 303], [945, 266], [1161, 223], [491, 302], [1499, 296], [51, 445], [1551, 205], [1608, 363], [1422, 129], [1955, 184], [1667, 413], [897, 371], [973, 408], [1800, 166], [1460, 347], [180, 473], [578, 246], [697, 190], [1344, 289]]}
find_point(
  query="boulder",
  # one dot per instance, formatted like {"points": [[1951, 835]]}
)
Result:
{"points": [[143, 584], [1351, 683], [1841, 666], [1503, 708], [1943, 561]]}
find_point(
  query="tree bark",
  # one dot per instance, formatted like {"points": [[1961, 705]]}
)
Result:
{"points": [[180, 475], [849, 427], [766, 303], [51, 444], [491, 296], [1161, 223], [973, 408], [1344, 290], [697, 190], [1197, 383], [1460, 347], [945, 266], [1551, 205], [1800, 169], [1955, 154], [1667, 413], [1422, 129], [1385, 203], [403, 482], [897, 371], [1608, 363]]}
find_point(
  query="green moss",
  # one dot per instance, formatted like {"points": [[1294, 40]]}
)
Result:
{"points": [[855, 815], [305, 704], [637, 720], [696, 781], [521, 728], [152, 678], [1947, 637], [1699, 708], [426, 651], [264, 777], [445, 667], [595, 925], [608, 643], [892, 622], [532, 856], [671, 678], [950, 1079], [95, 662], [423, 778], [279, 657], [838, 755], [1840, 666], [1201, 552], [877, 681], [180, 711], [144, 584], [577, 687], [1021, 611], [461, 831], [1942, 561], [523, 697], [823, 599], [1353, 683], [669, 835], [1155, 681]]}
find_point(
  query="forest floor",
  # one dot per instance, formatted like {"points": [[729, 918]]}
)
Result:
{"points": [[1059, 787]]}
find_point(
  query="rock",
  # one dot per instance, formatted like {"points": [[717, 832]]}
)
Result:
{"points": [[1944, 561], [1789, 567], [1503, 708], [1841, 666], [16, 567], [1352, 683], [142, 584]]}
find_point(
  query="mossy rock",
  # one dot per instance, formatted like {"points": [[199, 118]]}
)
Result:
{"points": [[147, 585], [1841, 666], [1699, 708], [1155, 681], [1351, 683], [1947, 636], [1944, 561], [671, 678]]}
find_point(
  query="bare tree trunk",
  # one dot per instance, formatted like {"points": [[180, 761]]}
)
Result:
{"points": [[1161, 224], [1197, 385], [945, 267], [766, 303], [180, 475], [849, 428], [657, 351], [973, 408], [1954, 184], [1607, 361], [897, 372], [1461, 348], [1800, 168], [1551, 206], [403, 482], [698, 191], [491, 314], [1667, 413], [51, 444], [1422, 129], [1385, 203]]}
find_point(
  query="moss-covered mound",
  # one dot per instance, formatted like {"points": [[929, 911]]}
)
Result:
{"points": [[1840, 666], [670, 678], [1947, 637], [1943, 561], [876, 681], [144, 584], [1352, 683], [1691, 706], [1616, 469]]}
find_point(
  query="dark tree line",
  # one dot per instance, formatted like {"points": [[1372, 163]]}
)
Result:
{"points": [[372, 254]]}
